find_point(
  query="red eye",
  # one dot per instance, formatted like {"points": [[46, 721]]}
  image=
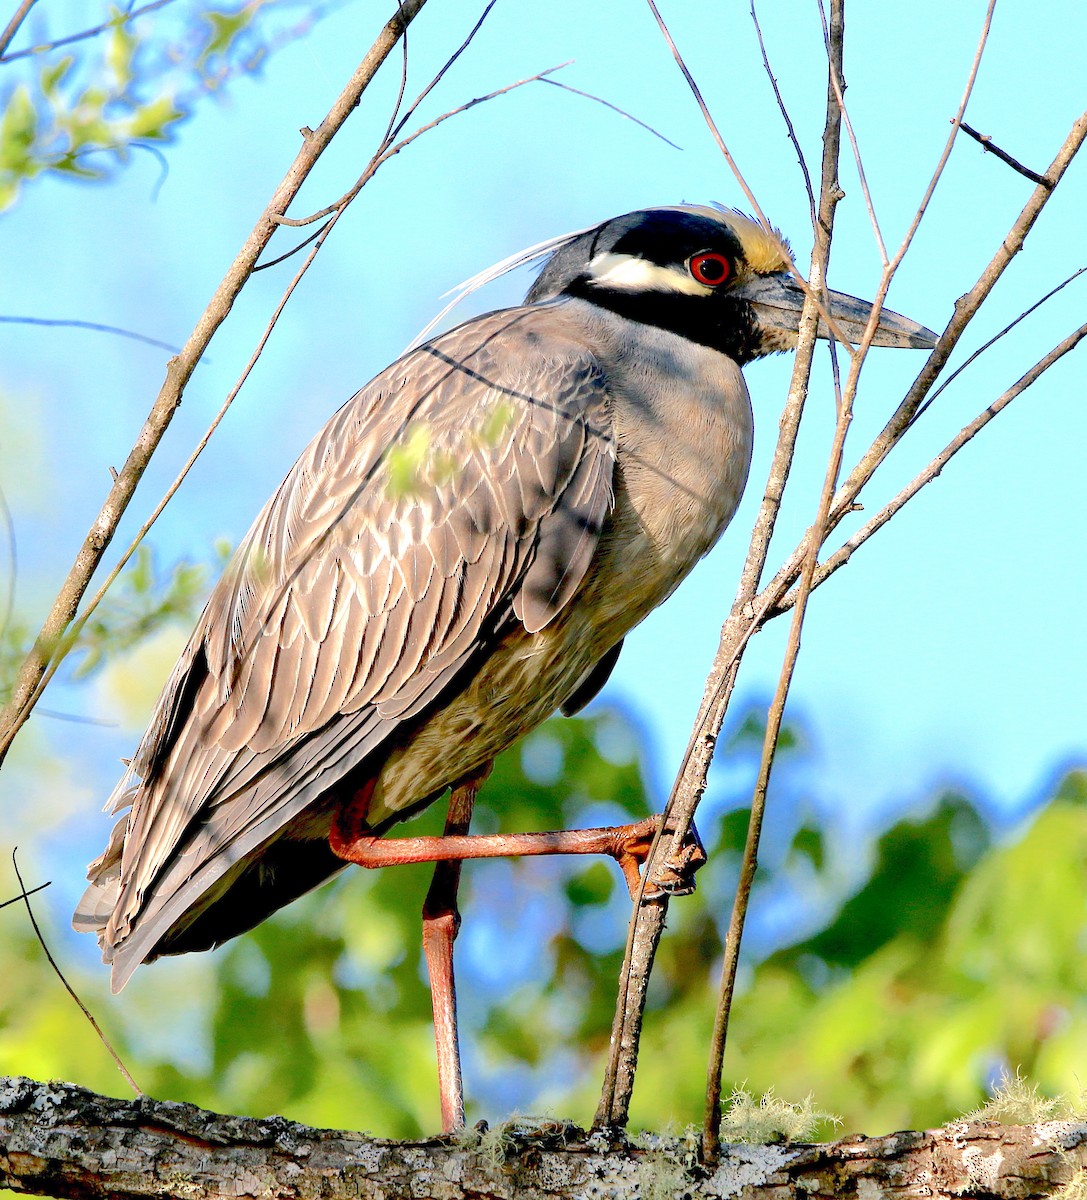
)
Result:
{"points": [[710, 268]]}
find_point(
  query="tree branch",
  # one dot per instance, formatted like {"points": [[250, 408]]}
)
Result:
{"points": [[647, 920], [988, 145], [845, 552], [112, 23], [12, 27], [64, 1141], [178, 371]]}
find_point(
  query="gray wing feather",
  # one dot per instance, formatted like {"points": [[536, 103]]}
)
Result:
{"points": [[467, 480]]}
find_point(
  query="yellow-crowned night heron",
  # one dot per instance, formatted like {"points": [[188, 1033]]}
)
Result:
{"points": [[457, 554]]}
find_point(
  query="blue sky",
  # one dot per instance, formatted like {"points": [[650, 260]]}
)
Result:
{"points": [[953, 647]]}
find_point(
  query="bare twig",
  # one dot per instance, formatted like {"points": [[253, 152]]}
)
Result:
{"points": [[711, 124], [785, 116], [707, 117], [25, 897], [274, 262], [746, 617], [838, 83], [120, 19], [965, 309], [387, 136], [337, 206], [12, 27], [180, 369], [843, 554], [76, 718], [829, 194], [932, 396], [94, 326], [614, 108], [991, 147], [891, 267], [446, 67]]}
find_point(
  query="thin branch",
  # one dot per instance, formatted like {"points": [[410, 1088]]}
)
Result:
{"points": [[113, 23], [12, 27], [991, 147], [180, 369], [337, 206], [745, 618], [76, 628], [443, 71], [23, 895], [394, 126], [845, 552], [75, 718], [838, 83], [937, 174], [932, 396], [965, 309], [60, 975], [387, 136], [785, 116], [274, 262], [828, 198], [707, 116], [94, 326], [614, 108]]}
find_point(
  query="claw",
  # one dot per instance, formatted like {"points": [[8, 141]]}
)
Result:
{"points": [[674, 875]]}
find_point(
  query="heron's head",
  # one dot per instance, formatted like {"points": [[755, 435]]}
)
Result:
{"points": [[710, 274]]}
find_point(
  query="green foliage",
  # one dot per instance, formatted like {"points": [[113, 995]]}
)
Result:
{"points": [[79, 110], [956, 959], [143, 601], [966, 968]]}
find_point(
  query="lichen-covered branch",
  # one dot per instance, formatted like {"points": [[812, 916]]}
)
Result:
{"points": [[60, 1140]]}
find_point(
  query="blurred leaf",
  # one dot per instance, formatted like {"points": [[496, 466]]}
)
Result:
{"points": [[77, 112], [121, 46], [919, 865], [808, 841]]}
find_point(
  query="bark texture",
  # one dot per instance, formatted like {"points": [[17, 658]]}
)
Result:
{"points": [[60, 1140]]}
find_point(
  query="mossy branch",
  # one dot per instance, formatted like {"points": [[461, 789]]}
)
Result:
{"points": [[64, 1141]]}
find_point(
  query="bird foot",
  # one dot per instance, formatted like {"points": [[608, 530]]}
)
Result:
{"points": [[673, 873]]}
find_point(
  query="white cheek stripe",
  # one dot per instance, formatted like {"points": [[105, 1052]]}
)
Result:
{"points": [[631, 273]]}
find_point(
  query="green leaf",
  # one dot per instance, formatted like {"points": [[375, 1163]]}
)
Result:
{"points": [[808, 841], [153, 120], [225, 27], [120, 53], [18, 130], [53, 75]]}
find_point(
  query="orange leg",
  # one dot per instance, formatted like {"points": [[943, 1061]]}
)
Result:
{"points": [[441, 923], [628, 844]]}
